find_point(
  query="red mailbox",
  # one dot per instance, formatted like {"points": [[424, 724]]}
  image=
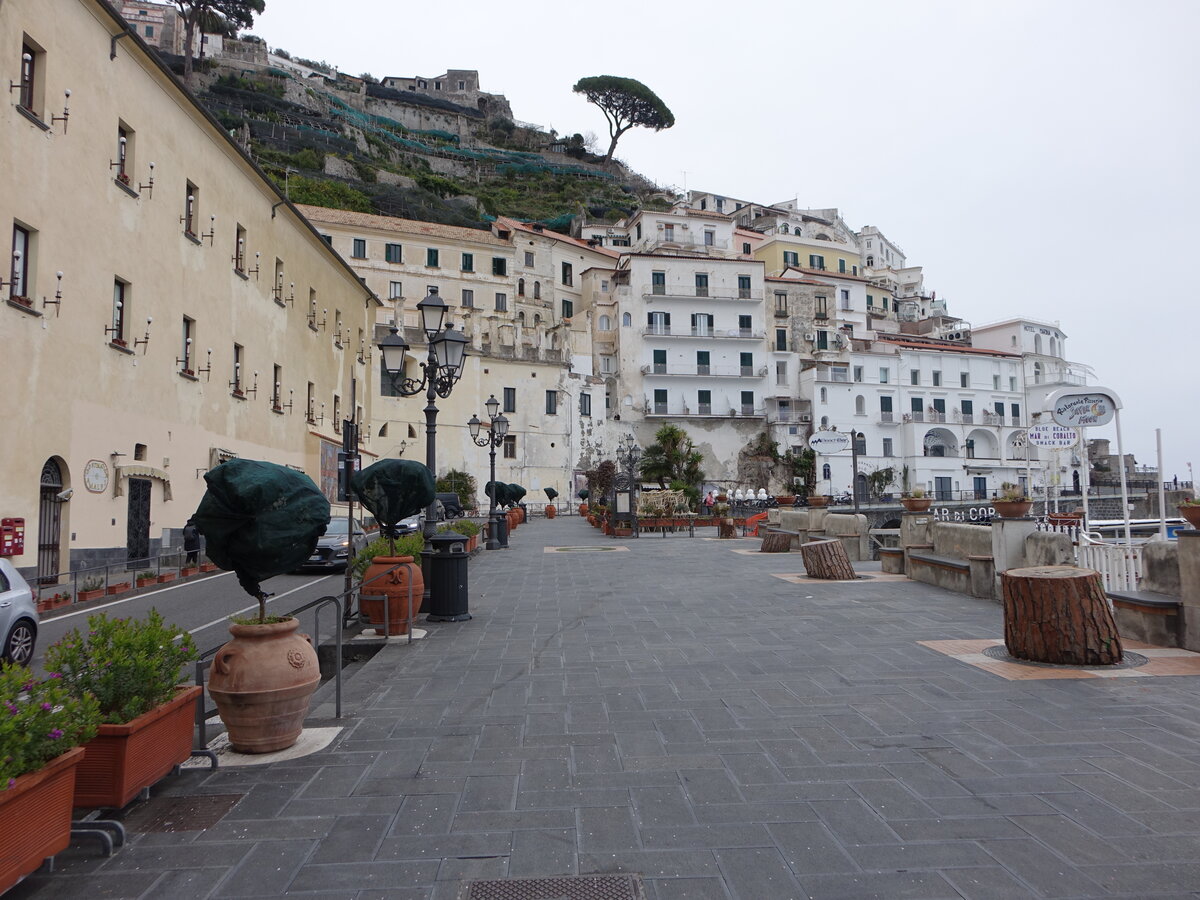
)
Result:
{"points": [[12, 537]]}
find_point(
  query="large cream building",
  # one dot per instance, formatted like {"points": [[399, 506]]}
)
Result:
{"points": [[178, 334]]}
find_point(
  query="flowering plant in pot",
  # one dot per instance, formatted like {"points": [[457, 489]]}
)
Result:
{"points": [[261, 520], [392, 490], [91, 588], [135, 669], [42, 724], [915, 500], [1190, 510]]}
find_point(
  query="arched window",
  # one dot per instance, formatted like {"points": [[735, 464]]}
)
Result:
{"points": [[824, 420], [537, 290], [1054, 346], [824, 395], [521, 317], [826, 472], [1037, 373], [537, 318], [520, 287], [860, 405], [1037, 343], [870, 260], [626, 319], [605, 323], [783, 229]]}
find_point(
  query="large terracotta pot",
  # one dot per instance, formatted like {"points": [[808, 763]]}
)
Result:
{"points": [[915, 504], [378, 582], [35, 817], [817, 500], [551, 512], [1192, 514], [1012, 509], [583, 509], [122, 759], [261, 682]]}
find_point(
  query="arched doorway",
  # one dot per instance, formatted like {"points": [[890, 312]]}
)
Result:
{"points": [[49, 521], [861, 491]]}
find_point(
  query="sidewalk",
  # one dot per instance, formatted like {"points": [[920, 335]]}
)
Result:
{"points": [[670, 707]]}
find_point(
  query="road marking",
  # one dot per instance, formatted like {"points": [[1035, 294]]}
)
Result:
{"points": [[255, 606], [103, 606]]}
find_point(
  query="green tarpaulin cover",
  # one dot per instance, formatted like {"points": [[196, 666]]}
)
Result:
{"points": [[260, 519], [394, 489]]}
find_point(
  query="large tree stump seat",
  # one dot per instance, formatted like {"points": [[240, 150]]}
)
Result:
{"points": [[1059, 614], [778, 540], [828, 560]]}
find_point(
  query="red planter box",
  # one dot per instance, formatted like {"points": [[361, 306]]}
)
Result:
{"points": [[118, 588], [167, 576], [35, 817], [208, 567], [122, 759], [85, 596]]}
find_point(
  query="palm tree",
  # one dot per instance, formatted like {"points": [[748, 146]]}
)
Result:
{"points": [[672, 458]]}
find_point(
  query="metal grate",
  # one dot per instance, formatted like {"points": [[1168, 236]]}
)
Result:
{"points": [[578, 887], [1129, 660], [181, 813]]}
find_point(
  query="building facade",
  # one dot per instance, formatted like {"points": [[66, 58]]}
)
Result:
{"points": [[156, 309]]}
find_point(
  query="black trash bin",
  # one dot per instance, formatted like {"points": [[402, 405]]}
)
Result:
{"points": [[448, 579], [499, 523]]}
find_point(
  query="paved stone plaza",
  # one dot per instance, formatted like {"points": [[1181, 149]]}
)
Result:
{"points": [[675, 709]]}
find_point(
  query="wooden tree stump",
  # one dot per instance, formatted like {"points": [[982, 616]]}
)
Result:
{"points": [[776, 542], [827, 559], [725, 528], [1059, 614]]}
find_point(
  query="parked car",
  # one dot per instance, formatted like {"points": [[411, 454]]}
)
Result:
{"points": [[18, 615], [451, 506], [337, 546]]}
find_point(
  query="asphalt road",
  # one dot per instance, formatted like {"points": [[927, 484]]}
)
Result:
{"points": [[203, 607]]}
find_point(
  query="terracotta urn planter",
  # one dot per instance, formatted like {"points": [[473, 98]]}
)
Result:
{"points": [[913, 504], [551, 512], [35, 817], [262, 681], [583, 509], [379, 582], [120, 588], [818, 500], [1012, 509], [1192, 514], [122, 759]]}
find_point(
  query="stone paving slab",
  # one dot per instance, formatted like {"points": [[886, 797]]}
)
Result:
{"points": [[694, 714]]}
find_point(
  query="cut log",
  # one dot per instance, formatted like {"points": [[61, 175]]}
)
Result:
{"points": [[1059, 614], [776, 542], [827, 559], [725, 528]]}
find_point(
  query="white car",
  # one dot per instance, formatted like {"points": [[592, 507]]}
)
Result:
{"points": [[18, 616]]}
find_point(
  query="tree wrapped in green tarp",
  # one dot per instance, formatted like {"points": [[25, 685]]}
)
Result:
{"points": [[260, 520], [394, 489], [551, 493], [497, 491], [515, 494]]}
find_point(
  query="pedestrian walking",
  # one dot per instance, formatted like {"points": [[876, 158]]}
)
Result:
{"points": [[191, 543]]}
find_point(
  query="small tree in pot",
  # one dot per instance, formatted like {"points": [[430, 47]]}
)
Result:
{"points": [[261, 520]]}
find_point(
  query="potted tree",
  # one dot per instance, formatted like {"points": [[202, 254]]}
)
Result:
{"points": [[1012, 502], [915, 500], [42, 724], [134, 668], [551, 510], [583, 506], [261, 520], [392, 489]]}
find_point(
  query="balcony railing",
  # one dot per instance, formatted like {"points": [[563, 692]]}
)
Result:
{"points": [[887, 418], [711, 292], [668, 331], [704, 409], [684, 239], [713, 371]]}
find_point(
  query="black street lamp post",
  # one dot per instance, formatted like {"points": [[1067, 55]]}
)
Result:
{"points": [[441, 370], [628, 453], [497, 429]]}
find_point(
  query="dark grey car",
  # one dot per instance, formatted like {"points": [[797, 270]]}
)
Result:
{"points": [[337, 546]]}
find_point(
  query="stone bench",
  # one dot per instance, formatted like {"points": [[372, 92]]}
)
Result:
{"points": [[1147, 616], [891, 560], [947, 572]]}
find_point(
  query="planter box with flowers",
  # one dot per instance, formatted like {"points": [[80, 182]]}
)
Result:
{"points": [[146, 578], [90, 589], [208, 567], [164, 577], [119, 588], [133, 667], [41, 726]]}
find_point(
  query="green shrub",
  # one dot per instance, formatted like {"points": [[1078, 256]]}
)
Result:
{"points": [[39, 720], [129, 665], [406, 545], [461, 483], [465, 527]]}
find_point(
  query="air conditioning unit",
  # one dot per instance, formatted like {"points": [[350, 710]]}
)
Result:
{"points": [[660, 226], [684, 226], [810, 337], [805, 417]]}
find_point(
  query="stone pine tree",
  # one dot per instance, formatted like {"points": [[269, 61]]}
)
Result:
{"points": [[625, 102], [218, 17]]}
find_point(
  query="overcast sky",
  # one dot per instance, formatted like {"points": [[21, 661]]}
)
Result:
{"points": [[1037, 158]]}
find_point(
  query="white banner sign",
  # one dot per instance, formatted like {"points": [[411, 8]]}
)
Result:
{"points": [[1056, 436], [826, 442], [1080, 410]]}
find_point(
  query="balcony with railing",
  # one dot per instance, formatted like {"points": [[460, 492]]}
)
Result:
{"points": [[686, 240], [712, 371], [692, 291], [677, 408], [722, 333]]}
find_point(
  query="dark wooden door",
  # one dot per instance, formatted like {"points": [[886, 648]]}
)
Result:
{"points": [[49, 522], [137, 529]]}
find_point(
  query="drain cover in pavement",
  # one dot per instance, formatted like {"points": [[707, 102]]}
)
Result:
{"points": [[181, 813], [578, 887], [1129, 660]]}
